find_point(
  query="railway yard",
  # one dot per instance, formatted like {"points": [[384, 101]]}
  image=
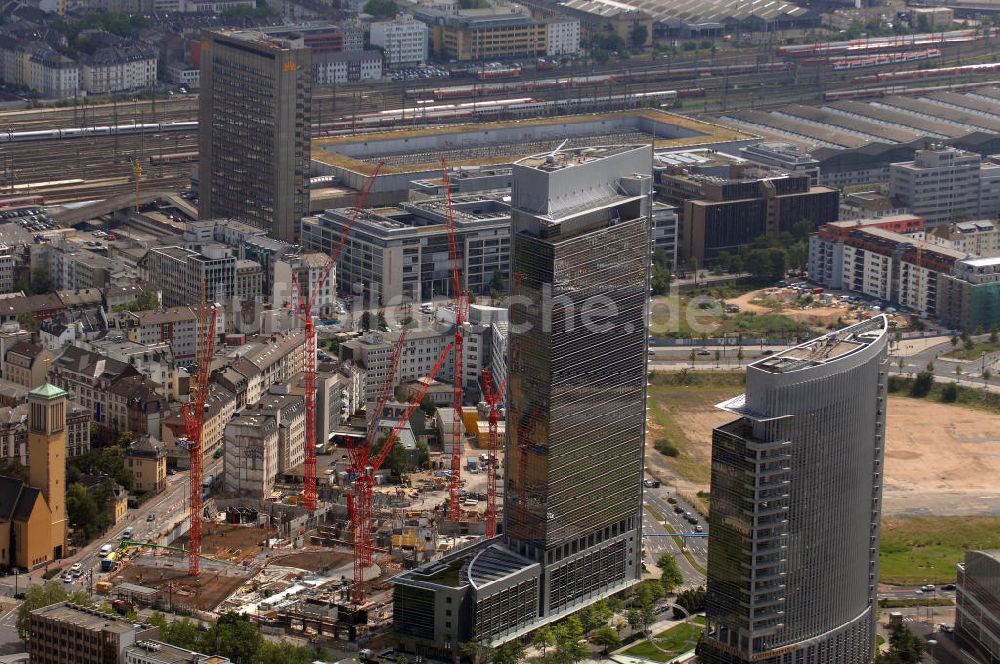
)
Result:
{"points": [[731, 87]]}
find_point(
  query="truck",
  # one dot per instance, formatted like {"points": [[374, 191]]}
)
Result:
{"points": [[103, 587], [472, 463]]}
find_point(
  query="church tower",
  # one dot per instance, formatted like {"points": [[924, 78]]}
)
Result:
{"points": [[47, 456]]}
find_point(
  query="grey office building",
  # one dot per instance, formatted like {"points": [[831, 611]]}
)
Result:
{"points": [[796, 494], [576, 418], [254, 130]]}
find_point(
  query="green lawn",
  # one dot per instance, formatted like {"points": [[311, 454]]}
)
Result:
{"points": [[673, 642], [962, 353], [919, 550]]}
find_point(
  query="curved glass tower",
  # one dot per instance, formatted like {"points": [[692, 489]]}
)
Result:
{"points": [[795, 510]]}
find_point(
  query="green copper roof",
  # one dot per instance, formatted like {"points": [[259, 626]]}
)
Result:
{"points": [[47, 391]]}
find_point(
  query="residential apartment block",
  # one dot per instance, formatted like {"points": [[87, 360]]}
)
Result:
{"points": [[969, 295], [255, 121], [146, 461], [175, 326], [347, 67], [796, 505], [403, 39], [401, 254], [118, 67], [978, 238], [864, 257]]}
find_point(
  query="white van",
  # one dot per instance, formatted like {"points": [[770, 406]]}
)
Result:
{"points": [[106, 549]]}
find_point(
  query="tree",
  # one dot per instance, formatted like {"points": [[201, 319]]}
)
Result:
{"points": [[954, 341], [11, 467], [949, 393], [144, 302], [38, 596], [607, 638], [382, 8], [672, 576], [968, 344], [904, 647], [398, 459], [428, 405], [659, 281], [366, 321], [692, 601], [40, 281], [987, 374], [570, 647], [640, 34], [634, 618], [922, 384], [29, 322], [544, 639], [423, 454], [511, 652], [993, 334], [83, 513], [381, 321]]}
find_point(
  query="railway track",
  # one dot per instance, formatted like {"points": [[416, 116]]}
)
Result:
{"points": [[71, 170]]}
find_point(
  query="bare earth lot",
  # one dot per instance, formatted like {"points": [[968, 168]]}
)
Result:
{"points": [[940, 459]]}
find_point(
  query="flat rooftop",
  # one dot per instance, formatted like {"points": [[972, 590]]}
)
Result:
{"points": [[560, 159], [496, 143], [825, 349], [89, 619]]}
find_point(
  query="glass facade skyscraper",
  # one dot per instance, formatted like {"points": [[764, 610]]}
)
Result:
{"points": [[795, 513], [576, 418]]}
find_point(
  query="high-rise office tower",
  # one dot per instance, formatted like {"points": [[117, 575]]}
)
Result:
{"points": [[796, 495], [254, 130], [577, 405], [576, 419]]}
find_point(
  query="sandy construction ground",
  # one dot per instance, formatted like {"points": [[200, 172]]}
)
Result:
{"points": [[939, 460]]}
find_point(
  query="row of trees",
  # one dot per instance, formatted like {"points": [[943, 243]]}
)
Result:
{"points": [[768, 258], [233, 636]]}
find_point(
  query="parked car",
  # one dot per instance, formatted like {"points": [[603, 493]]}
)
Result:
{"points": [[672, 500], [151, 516]]}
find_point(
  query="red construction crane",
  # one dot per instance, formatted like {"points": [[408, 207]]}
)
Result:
{"points": [[303, 311], [365, 481], [461, 311], [193, 414], [359, 453], [493, 396]]}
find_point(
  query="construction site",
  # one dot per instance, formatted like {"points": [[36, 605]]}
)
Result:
{"points": [[314, 556]]}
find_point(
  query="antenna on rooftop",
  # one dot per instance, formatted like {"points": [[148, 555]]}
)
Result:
{"points": [[551, 157]]}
